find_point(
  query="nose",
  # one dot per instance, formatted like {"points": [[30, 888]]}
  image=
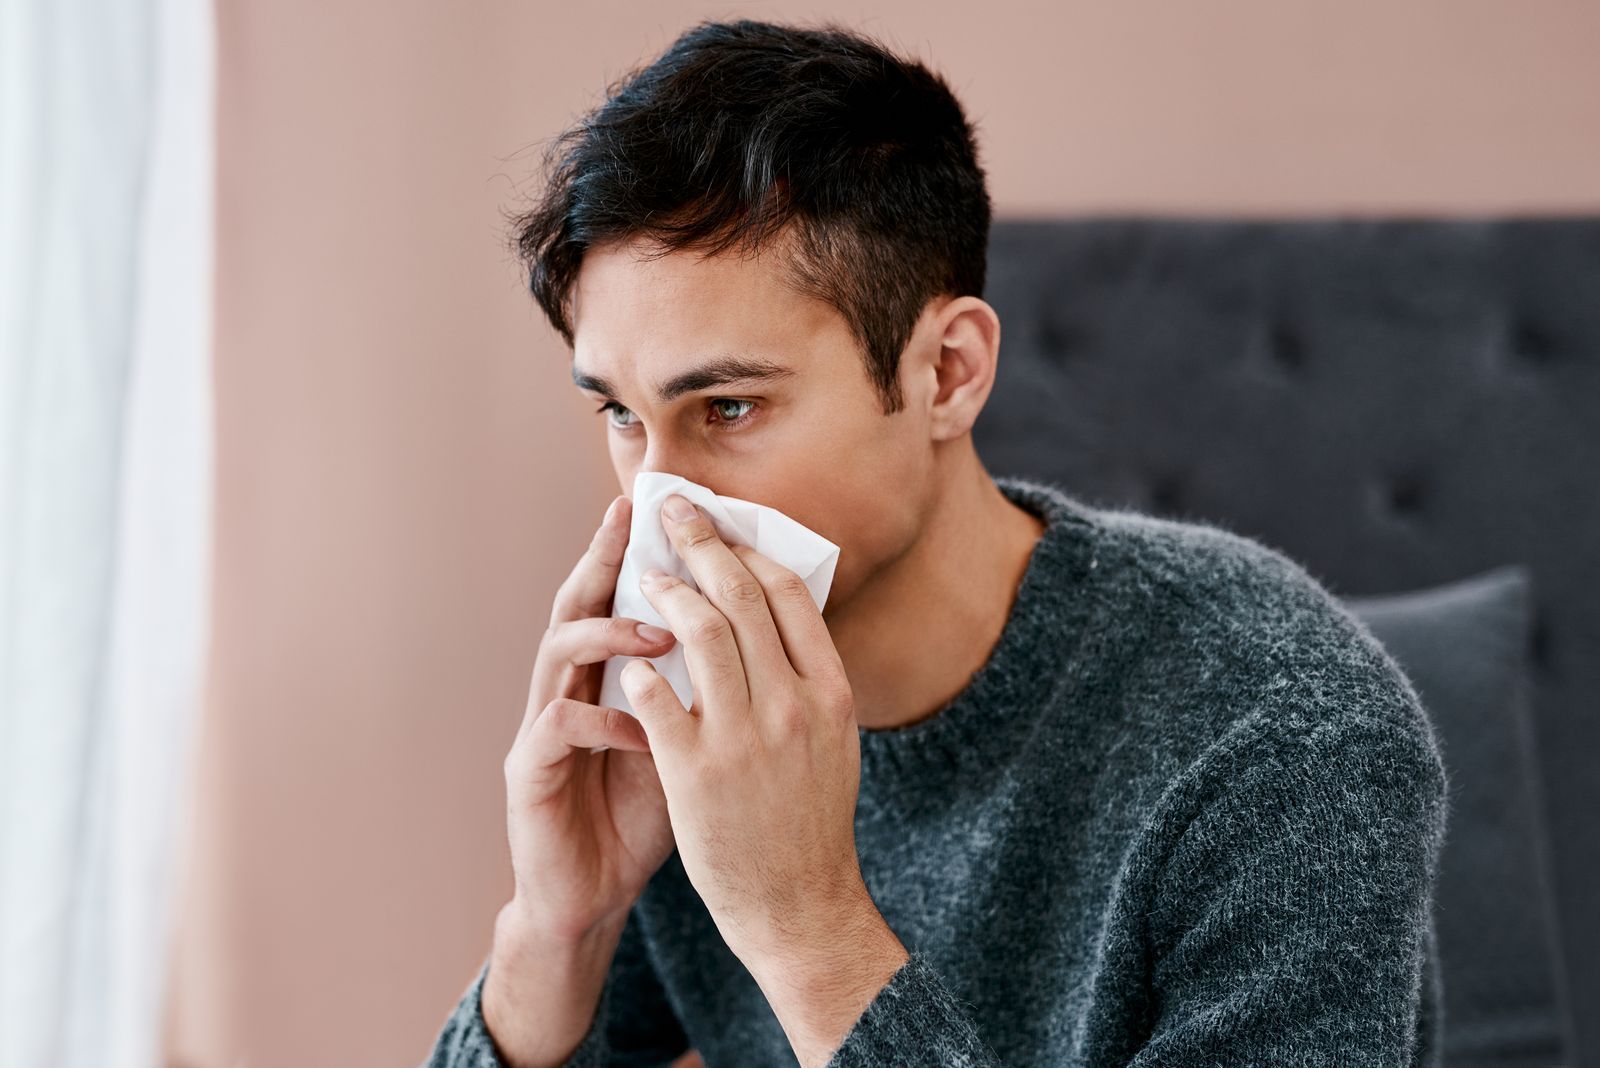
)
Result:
{"points": [[673, 458], [693, 472]]}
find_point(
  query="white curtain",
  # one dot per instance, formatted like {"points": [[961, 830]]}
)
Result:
{"points": [[106, 172]]}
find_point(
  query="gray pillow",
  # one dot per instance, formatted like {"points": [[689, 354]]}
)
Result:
{"points": [[1465, 648]]}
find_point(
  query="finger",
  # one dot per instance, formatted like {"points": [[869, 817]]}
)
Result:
{"points": [[580, 642], [565, 725], [807, 641], [588, 589], [597, 638], [666, 722], [731, 589], [709, 648]]}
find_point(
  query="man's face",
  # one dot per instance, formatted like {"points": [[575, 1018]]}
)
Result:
{"points": [[810, 440]]}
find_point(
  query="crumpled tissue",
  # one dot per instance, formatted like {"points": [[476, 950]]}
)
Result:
{"points": [[739, 522]]}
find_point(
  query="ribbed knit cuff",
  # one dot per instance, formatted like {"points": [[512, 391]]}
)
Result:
{"points": [[465, 1042], [914, 1021]]}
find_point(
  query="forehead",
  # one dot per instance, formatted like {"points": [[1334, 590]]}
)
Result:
{"points": [[629, 301]]}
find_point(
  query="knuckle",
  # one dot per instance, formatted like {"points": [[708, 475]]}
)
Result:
{"points": [[551, 715], [618, 722], [548, 640], [709, 629], [837, 696], [697, 534], [791, 586], [739, 589], [792, 716]]}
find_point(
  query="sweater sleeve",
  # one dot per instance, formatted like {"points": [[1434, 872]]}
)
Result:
{"points": [[634, 1024], [915, 1020], [1292, 923]]}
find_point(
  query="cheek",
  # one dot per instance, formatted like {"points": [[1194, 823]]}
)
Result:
{"points": [[861, 483], [869, 539], [873, 522], [845, 468]]}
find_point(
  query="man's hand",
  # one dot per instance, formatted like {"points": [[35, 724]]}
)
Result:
{"points": [[761, 776], [761, 779]]}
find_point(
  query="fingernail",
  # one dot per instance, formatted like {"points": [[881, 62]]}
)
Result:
{"points": [[652, 633], [653, 576], [678, 508]]}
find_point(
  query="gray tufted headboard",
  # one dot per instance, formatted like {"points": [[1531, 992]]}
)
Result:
{"points": [[1395, 403]]}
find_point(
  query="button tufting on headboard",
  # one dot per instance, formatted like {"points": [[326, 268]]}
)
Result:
{"points": [[1286, 346], [1321, 383], [1530, 342], [1403, 493]]}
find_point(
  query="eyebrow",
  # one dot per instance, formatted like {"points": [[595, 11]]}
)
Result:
{"points": [[718, 372]]}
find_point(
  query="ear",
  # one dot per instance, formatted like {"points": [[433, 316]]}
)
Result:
{"points": [[965, 348]]}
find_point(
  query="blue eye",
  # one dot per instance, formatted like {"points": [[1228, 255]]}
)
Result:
{"points": [[724, 423], [737, 420], [609, 405]]}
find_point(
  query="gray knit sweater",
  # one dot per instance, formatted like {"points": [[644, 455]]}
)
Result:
{"points": [[1187, 813]]}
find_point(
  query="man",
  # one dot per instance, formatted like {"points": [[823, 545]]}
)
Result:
{"points": [[1045, 783]]}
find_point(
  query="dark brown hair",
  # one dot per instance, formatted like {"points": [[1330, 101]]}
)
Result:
{"points": [[744, 131]]}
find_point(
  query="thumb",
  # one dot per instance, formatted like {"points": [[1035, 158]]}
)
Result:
{"points": [[655, 704]]}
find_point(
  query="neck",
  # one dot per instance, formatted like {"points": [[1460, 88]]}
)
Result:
{"points": [[914, 634]]}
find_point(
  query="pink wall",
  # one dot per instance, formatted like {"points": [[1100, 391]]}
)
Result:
{"points": [[405, 473]]}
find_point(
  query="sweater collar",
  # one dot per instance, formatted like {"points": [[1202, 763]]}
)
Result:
{"points": [[1007, 693]]}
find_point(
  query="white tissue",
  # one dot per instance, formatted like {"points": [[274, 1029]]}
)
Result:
{"points": [[767, 530]]}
